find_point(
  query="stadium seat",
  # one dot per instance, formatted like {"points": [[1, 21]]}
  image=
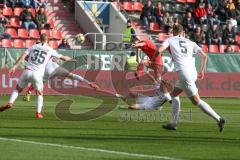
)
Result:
{"points": [[53, 44], [182, 1], [29, 43], [14, 22], [12, 32], [137, 6], [22, 33], [235, 48], [7, 12], [17, 11], [51, 22], [222, 48], [18, 43], [213, 49], [46, 31], [205, 48], [237, 38], [162, 37], [32, 10], [127, 6], [34, 33], [6, 43], [191, 1], [56, 34], [154, 27]]}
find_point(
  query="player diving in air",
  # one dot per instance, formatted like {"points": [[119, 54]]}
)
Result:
{"points": [[182, 51], [53, 69]]}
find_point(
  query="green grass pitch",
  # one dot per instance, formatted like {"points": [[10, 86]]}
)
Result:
{"points": [[120, 134]]}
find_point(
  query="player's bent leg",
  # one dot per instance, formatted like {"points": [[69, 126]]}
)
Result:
{"points": [[206, 108], [140, 68]]}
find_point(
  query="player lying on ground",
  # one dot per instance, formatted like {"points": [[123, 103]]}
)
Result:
{"points": [[38, 56], [182, 51], [52, 70], [155, 102]]}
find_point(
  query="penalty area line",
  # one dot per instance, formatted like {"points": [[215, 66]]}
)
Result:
{"points": [[90, 149]]}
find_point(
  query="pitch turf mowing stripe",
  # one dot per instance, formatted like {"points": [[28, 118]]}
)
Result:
{"points": [[91, 149]]}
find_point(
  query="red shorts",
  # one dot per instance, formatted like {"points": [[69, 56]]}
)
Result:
{"points": [[158, 61]]}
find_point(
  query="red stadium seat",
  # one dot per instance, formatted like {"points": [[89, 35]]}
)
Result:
{"points": [[191, 1], [53, 44], [213, 49], [17, 11], [137, 6], [51, 22], [222, 48], [18, 43], [154, 27], [6, 43], [182, 1], [7, 12], [32, 10], [127, 6], [12, 32], [237, 38], [205, 48], [14, 22], [34, 33], [162, 37], [56, 34], [22, 33], [46, 31], [235, 48], [117, 4], [29, 43]]}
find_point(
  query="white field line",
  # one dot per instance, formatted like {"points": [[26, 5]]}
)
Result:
{"points": [[91, 149]]}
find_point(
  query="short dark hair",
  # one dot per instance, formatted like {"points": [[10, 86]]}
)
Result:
{"points": [[43, 38], [177, 29]]}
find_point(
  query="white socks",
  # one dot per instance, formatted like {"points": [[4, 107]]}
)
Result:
{"points": [[208, 110], [79, 78], [39, 103], [167, 96], [13, 97], [175, 109]]}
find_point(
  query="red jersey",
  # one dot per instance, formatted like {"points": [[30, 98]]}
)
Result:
{"points": [[149, 48]]}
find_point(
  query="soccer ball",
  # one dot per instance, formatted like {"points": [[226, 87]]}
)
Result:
{"points": [[80, 38]]}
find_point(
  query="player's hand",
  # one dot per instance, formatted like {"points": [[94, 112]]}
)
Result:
{"points": [[11, 70], [94, 86], [201, 75]]}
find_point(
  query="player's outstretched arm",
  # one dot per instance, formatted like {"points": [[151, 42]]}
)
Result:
{"points": [[203, 56], [66, 58], [18, 62]]}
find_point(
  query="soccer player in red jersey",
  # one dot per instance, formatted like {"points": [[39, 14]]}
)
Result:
{"points": [[150, 49]]}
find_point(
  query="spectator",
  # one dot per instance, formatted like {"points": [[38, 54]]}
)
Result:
{"points": [[200, 11], [211, 20], [22, 3], [147, 14], [214, 35], [41, 19], [229, 35], [238, 11], [199, 36], [158, 12], [209, 10], [27, 19], [64, 44], [3, 34], [129, 35], [39, 3], [214, 4], [229, 49], [168, 22], [188, 22], [230, 9]]}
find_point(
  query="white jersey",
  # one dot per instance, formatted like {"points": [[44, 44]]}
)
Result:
{"points": [[182, 51], [38, 57]]}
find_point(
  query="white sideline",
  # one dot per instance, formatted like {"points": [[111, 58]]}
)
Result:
{"points": [[90, 149]]}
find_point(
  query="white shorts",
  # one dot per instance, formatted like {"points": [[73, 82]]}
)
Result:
{"points": [[54, 70], [32, 77], [149, 103], [187, 82]]}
